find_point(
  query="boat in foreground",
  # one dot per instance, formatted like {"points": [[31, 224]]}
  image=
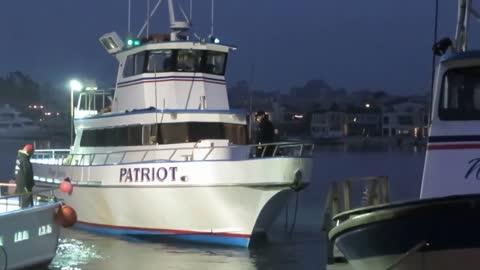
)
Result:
{"points": [[29, 236], [166, 156]]}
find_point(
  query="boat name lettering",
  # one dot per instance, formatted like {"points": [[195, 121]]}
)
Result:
{"points": [[474, 167], [147, 174]]}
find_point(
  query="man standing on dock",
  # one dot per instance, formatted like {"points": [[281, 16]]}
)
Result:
{"points": [[24, 175]]}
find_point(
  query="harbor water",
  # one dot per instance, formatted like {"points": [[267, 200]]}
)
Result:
{"points": [[300, 248]]}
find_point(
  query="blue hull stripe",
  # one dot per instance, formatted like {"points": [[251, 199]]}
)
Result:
{"points": [[199, 238]]}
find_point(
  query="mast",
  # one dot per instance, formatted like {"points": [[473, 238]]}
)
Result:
{"points": [[177, 28], [461, 35]]}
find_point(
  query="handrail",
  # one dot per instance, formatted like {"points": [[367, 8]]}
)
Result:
{"points": [[4, 200], [71, 157]]}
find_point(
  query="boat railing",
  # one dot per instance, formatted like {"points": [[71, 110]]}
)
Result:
{"points": [[10, 200], [369, 191], [197, 152]]}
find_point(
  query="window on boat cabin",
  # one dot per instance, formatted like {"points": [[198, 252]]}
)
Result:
{"points": [[189, 61], [150, 134], [166, 133], [185, 61], [196, 131], [237, 134], [172, 133], [134, 64], [215, 63], [160, 61], [460, 95], [200, 131], [135, 135]]}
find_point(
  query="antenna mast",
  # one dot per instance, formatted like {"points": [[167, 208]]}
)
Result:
{"points": [[461, 35], [213, 10], [176, 27], [129, 16]]}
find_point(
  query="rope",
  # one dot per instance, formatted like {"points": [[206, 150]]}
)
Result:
{"points": [[297, 196], [294, 222]]}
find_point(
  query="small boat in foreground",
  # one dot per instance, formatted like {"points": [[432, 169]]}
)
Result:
{"points": [[29, 236]]}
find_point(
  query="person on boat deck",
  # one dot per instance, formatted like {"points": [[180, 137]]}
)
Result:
{"points": [[24, 175], [265, 134]]}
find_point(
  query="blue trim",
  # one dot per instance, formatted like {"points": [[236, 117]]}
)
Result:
{"points": [[170, 77], [145, 111], [199, 238], [461, 56]]}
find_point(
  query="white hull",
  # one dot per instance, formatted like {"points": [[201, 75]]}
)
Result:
{"points": [[29, 237], [222, 202]]}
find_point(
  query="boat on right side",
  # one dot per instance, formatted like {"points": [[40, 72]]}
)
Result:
{"points": [[440, 230]]}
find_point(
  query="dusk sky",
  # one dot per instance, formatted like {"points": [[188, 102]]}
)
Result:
{"points": [[352, 44]]}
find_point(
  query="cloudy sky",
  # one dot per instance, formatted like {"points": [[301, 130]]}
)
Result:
{"points": [[281, 44]]}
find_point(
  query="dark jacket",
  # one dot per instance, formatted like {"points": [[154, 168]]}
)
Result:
{"points": [[23, 172], [265, 131]]}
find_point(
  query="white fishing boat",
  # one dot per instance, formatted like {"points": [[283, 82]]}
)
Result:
{"points": [[29, 236], [14, 125], [168, 157], [440, 230]]}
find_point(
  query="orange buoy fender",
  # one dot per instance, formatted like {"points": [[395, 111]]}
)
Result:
{"points": [[66, 186], [66, 216]]}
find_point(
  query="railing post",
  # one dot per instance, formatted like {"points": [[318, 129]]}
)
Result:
{"points": [[123, 157], [145, 155], [346, 195], [385, 190]]}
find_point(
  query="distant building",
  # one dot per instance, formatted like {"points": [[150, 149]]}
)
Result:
{"points": [[327, 125], [363, 122], [405, 119]]}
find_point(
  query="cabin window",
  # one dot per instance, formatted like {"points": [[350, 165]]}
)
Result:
{"points": [[134, 64], [215, 63], [135, 135], [160, 61], [237, 134], [460, 95], [172, 133], [189, 61], [200, 131], [211, 62], [149, 134], [165, 133]]}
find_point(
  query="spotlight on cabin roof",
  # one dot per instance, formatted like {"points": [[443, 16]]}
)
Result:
{"points": [[112, 42]]}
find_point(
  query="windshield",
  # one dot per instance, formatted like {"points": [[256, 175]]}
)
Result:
{"points": [[460, 95]]}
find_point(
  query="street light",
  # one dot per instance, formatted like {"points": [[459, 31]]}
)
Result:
{"points": [[75, 85], [367, 105]]}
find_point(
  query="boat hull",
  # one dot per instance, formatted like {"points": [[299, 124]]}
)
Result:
{"points": [[216, 215], [431, 232], [29, 237]]}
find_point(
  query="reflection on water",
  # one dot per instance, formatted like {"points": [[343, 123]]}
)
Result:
{"points": [[80, 250]]}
